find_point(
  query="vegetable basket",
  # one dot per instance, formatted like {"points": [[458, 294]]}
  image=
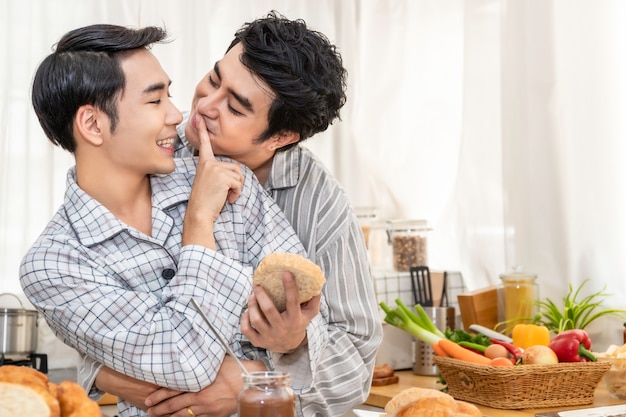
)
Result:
{"points": [[523, 386]]}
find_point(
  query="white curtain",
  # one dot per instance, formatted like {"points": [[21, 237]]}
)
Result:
{"points": [[499, 121]]}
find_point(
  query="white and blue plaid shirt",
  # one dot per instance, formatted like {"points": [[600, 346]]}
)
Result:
{"points": [[123, 298]]}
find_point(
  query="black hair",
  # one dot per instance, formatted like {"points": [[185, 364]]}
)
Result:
{"points": [[301, 66], [85, 69]]}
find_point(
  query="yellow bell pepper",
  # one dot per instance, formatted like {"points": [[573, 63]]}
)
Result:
{"points": [[526, 335]]}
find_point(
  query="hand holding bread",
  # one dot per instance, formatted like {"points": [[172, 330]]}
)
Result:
{"points": [[269, 275]]}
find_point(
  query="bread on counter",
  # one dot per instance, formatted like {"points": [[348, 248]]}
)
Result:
{"points": [[426, 402], [384, 375], [27, 392]]}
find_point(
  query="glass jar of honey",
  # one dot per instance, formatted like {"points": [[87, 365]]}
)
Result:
{"points": [[517, 295], [266, 394]]}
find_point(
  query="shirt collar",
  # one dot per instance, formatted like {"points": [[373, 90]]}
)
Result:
{"points": [[94, 223], [285, 171]]}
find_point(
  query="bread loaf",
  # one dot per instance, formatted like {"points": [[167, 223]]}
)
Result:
{"points": [[425, 402], [269, 275], [24, 400], [27, 392]]}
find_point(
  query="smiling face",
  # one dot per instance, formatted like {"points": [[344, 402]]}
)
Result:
{"points": [[143, 138], [235, 106]]}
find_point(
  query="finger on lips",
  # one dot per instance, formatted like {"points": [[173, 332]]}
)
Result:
{"points": [[206, 151]]}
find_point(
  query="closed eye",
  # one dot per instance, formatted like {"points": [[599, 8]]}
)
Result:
{"points": [[213, 83], [231, 109]]}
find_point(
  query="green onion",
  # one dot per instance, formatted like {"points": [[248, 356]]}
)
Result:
{"points": [[417, 325]]}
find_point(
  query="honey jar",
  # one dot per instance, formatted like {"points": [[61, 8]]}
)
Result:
{"points": [[517, 295]]}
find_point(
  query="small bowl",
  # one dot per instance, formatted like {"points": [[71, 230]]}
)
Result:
{"points": [[615, 378]]}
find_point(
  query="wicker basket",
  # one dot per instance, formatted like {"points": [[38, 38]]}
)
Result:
{"points": [[525, 386]]}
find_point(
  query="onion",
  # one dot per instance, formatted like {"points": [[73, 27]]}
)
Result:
{"points": [[539, 355]]}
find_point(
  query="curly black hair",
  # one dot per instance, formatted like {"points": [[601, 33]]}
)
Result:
{"points": [[301, 66]]}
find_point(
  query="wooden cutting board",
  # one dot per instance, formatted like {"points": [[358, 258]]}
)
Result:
{"points": [[108, 399]]}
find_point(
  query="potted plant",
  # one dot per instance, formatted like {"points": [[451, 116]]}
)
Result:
{"points": [[575, 313]]}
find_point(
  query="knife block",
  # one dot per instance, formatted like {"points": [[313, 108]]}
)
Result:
{"points": [[479, 307]]}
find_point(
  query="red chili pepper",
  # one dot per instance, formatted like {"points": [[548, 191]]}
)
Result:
{"points": [[512, 349], [572, 346]]}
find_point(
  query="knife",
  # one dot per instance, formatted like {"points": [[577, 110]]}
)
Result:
{"points": [[490, 333]]}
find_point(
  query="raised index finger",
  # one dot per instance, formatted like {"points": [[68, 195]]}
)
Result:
{"points": [[206, 151]]}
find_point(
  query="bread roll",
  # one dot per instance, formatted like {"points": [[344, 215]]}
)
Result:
{"points": [[425, 402], [397, 406], [269, 275], [75, 402], [22, 375], [467, 410], [429, 407], [38, 397], [383, 371], [25, 400], [31, 383]]}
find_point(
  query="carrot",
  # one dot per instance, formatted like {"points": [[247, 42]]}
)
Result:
{"points": [[459, 352], [438, 350], [500, 362]]}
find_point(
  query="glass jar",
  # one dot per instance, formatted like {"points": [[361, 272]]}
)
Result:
{"points": [[365, 216], [266, 394], [379, 249], [517, 295], [408, 239]]}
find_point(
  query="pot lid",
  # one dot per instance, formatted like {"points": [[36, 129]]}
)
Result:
{"points": [[15, 311]]}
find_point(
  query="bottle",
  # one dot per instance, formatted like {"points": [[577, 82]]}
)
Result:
{"points": [[517, 294], [266, 394]]}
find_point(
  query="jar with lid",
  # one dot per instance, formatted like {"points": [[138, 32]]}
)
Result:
{"points": [[365, 216], [379, 249], [408, 239], [266, 394], [517, 296]]}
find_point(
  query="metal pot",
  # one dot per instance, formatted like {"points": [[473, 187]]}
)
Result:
{"points": [[18, 330]]}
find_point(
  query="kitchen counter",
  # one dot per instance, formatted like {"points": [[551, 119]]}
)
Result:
{"points": [[111, 410], [108, 404], [379, 396]]}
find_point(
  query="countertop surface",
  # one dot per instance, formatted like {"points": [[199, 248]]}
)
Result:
{"points": [[110, 410]]}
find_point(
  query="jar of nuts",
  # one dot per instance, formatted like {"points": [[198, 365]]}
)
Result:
{"points": [[408, 239]]}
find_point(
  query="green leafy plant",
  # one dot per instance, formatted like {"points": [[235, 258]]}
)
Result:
{"points": [[575, 313]]}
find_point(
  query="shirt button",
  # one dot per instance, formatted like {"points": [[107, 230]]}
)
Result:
{"points": [[168, 274]]}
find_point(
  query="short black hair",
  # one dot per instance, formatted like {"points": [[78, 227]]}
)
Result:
{"points": [[301, 66], [85, 69]]}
